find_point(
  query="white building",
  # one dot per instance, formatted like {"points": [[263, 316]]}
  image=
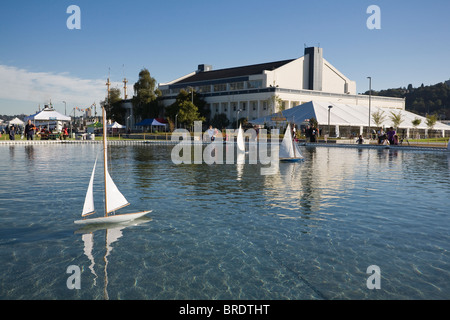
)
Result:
{"points": [[258, 90]]}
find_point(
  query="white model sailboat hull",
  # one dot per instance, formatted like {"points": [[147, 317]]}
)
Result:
{"points": [[113, 218]]}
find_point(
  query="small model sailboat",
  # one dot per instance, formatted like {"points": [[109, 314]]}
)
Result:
{"points": [[240, 139], [289, 151], [114, 200]]}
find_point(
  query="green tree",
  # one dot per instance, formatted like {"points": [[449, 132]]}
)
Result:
{"points": [[431, 121], [276, 102], [313, 122], [396, 119], [378, 118], [220, 121], [415, 124], [114, 109], [145, 101], [184, 110], [188, 113], [424, 99]]}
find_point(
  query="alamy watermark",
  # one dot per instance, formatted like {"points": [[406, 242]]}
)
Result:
{"points": [[74, 20], [74, 280], [374, 281], [374, 21], [189, 151]]}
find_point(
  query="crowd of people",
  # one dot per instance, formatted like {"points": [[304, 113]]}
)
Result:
{"points": [[30, 131], [389, 137]]}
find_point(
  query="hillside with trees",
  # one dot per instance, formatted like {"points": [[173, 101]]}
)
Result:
{"points": [[434, 99]]}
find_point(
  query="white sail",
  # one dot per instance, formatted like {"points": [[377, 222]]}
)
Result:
{"points": [[240, 139], [114, 199], [297, 151], [88, 207], [286, 148]]}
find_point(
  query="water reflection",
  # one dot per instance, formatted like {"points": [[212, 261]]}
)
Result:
{"points": [[113, 232], [310, 189], [230, 231], [29, 151], [448, 160]]}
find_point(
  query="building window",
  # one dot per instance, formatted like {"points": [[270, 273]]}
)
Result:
{"points": [[254, 84], [236, 86], [253, 103], [220, 87], [265, 105], [204, 88]]}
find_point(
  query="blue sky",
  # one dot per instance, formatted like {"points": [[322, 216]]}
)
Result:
{"points": [[41, 59]]}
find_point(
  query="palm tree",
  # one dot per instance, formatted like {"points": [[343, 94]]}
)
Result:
{"points": [[415, 124], [378, 118], [431, 121], [396, 119]]}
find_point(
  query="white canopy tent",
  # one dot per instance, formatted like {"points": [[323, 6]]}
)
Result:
{"points": [[16, 121], [344, 115], [116, 125], [48, 115]]}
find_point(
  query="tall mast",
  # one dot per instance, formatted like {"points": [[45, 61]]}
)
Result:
{"points": [[124, 83], [108, 84], [293, 140], [125, 88]]}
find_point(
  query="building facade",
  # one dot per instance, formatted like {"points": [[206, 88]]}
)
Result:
{"points": [[258, 90]]}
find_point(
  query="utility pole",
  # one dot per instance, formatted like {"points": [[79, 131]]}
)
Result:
{"points": [[370, 101]]}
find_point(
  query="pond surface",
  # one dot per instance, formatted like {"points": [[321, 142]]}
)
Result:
{"points": [[310, 231]]}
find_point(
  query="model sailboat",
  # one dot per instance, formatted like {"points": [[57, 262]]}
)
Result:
{"points": [[114, 200], [289, 151], [240, 139]]}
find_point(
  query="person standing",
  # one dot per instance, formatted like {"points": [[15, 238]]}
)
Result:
{"points": [[211, 133], [12, 133], [390, 135], [313, 134], [360, 140], [29, 130]]}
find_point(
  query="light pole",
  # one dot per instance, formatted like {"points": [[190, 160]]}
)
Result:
{"points": [[128, 123], [237, 119], [370, 101], [329, 111], [176, 116], [65, 109], [192, 94]]}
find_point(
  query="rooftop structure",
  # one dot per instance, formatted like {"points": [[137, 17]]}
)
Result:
{"points": [[344, 119], [258, 90]]}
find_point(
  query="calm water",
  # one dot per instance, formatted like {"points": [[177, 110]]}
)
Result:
{"points": [[225, 231]]}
